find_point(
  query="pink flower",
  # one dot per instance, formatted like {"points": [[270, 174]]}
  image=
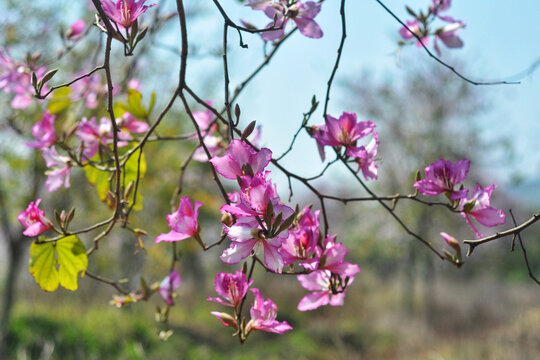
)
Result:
{"points": [[134, 84], [263, 316], [34, 220], [94, 135], [327, 289], [302, 242], [183, 222], [89, 89], [43, 132], [232, 287], [345, 131], [76, 30], [128, 122], [478, 208], [124, 12], [246, 237], [204, 119], [257, 199], [213, 144], [414, 26], [167, 286], [440, 5], [302, 14], [15, 77], [59, 169], [448, 35], [212, 141], [365, 157], [333, 258], [241, 160], [442, 176]]}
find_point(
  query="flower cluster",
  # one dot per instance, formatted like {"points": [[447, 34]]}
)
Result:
{"points": [[346, 131], [443, 176], [256, 220], [91, 135], [233, 288], [421, 26], [94, 135], [15, 78], [282, 11]]}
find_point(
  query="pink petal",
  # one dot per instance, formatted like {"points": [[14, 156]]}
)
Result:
{"points": [[237, 252], [171, 237], [314, 300]]}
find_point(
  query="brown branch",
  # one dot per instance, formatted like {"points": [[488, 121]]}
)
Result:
{"points": [[515, 230], [113, 283]]}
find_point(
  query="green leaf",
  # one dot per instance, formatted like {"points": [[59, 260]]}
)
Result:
{"points": [[43, 266], [131, 175], [98, 178], [134, 105], [60, 101], [152, 103], [71, 259], [58, 263]]}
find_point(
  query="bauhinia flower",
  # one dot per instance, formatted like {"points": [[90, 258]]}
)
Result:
{"points": [[413, 26], [129, 123], [241, 160], [76, 30], [448, 36], [365, 157], [263, 316], [43, 132], [33, 219], [183, 222], [302, 14], [93, 135], [478, 207], [258, 199], [231, 287], [332, 258], [247, 236], [59, 169], [124, 12], [15, 77], [90, 89], [209, 130], [327, 289], [439, 5], [167, 286], [441, 178], [345, 131], [422, 28], [302, 242]]}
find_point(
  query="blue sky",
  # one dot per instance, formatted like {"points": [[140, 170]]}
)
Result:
{"points": [[501, 40]]}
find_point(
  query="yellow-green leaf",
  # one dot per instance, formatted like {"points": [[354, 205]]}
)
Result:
{"points": [[71, 259], [58, 263], [60, 101], [43, 266], [131, 174], [134, 105], [98, 178]]}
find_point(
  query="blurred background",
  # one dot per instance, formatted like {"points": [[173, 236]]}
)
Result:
{"points": [[405, 304]]}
